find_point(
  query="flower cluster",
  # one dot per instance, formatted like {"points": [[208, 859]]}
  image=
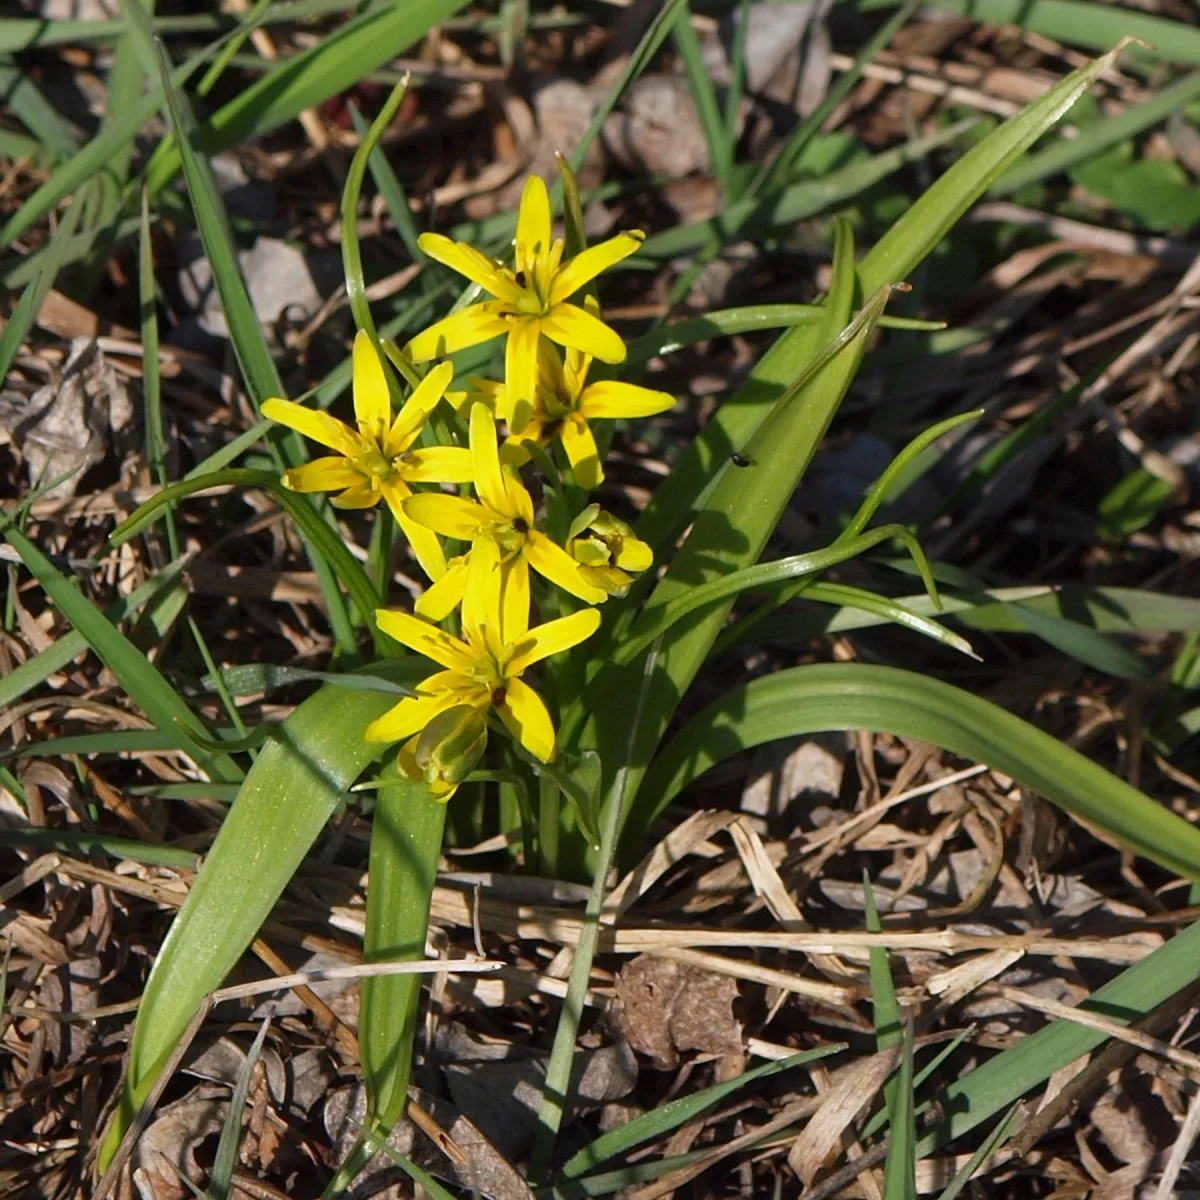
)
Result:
{"points": [[543, 399]]}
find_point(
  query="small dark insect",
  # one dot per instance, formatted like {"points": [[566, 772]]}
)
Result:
{"points": [[740, 460], [520, 278], [519, 525], [499, 696]]}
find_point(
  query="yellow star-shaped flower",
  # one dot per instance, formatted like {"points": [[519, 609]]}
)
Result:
{"points": [[481, 675], [374, 462], [530, 300], [500, 521], [563, 404]]}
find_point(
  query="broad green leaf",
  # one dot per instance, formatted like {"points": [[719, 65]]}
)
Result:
{"points": [[138, 677], [732, 528], [286, 798], [406, 840], [886, 700]]}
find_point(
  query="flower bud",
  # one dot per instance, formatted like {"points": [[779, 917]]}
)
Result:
{"points": [[606, 550], [447, 750]]}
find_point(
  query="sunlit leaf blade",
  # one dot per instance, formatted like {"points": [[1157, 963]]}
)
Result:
{"points": [[931, 216], [886, 700], [284, 802], [406, 840]]}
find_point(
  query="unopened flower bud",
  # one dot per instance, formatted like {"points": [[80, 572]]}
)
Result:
{"points": [[447, 750], [607, 550]]}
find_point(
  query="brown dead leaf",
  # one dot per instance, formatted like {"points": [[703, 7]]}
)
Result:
{"points": [[65, 427], [852, 1090], [662, 1007]]}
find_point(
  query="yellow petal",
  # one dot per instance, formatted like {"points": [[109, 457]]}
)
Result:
{"points": [[485, 461], [525, 714], [553, 638], [533, 223], [514, 599], [322, 475], [406, 761], [481, 598], [468, 261], [413, 713], [437, 602], [437, 464], [520, 370], [560, 568], [315, 424], [457, 331], [362, 495], [551, 376], [418, 406], [426, 548], [581, 449], [569, 325], [635, 555], [426, 639], [372, 400], [587, 264], [608, 398], [451, 516]]}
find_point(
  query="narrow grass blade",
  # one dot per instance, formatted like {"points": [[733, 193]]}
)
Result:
{"points": [[639, 60], [801, 200], [1099, 135], [558, 1070], [930, 218], [94, 843], [1079, 23], [284, 802], [24, 678], [667, 1117], [763, 575], [324, 541], [25, 102], [983, 1155], [249, 344], [356, 288], [220, 1179], [991, 1088], [899, 1173], [309, 78], [139, 678], [886, 700], [26, 310], [720, 151]]}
